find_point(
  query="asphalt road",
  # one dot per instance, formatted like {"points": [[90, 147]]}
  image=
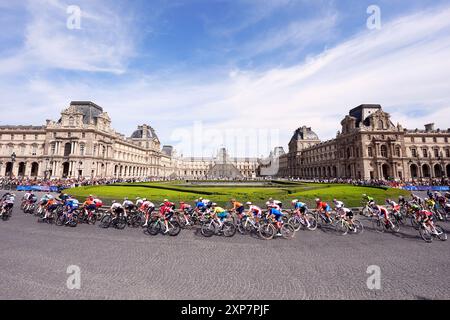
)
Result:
{"points": [[128, 264]]}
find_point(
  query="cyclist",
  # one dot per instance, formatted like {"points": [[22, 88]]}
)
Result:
{"points": [[220, 214], [206, 202], [276, 203], [426, 217], [323, 207], [166, 212], [382, 213], [185, 210], [89, 204], [255, 211], [238, 207], [338, 205], [116, 209], [147, 208], [277, 214], [200, 206], [139, 202], [368, 200], [51, 206], [127, 205], [71, 205], [401, 201], [300, 209], [8, 200]]}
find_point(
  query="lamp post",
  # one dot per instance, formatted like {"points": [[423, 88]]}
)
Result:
{"points": [[13, 159], [79, 169]]}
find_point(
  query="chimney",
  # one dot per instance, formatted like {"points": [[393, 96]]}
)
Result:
{"points": [[429, 127]]}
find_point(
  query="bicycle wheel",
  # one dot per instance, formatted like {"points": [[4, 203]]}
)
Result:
{"points": [[441, 234], [121, 223], [267, 231], [295, 222], [358, 227], [425, 234], [174, 228], [378, 225], [341, 227], [208, 229], [395, 227], [242, 228], [106, 221], [312, 223], [287, 231], [228, 229], [154, 228], [414, 223], [60, 220]]}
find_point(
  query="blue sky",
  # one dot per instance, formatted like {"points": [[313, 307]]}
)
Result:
{"points": [[232, 67]]}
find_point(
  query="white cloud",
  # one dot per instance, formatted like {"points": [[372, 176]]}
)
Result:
{"points": [[404, 67], [103, 44]]}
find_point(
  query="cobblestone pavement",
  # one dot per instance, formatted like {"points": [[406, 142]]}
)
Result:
{"points": [[128, 264]]}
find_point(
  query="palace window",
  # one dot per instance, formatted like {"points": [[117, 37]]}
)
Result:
{"points": [[424, 139], [83, 135], [434, 139], [24, 137], [414, 152], [436, 153], [370, 152], [425, 153], [447, 153], [397, 151], [34, 150], [53, 148], [384, 151], [36, 137], [82, 149]]}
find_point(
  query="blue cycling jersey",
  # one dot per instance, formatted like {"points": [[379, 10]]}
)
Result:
{"points": [[275, 212], [300, 205], [200, 204]]}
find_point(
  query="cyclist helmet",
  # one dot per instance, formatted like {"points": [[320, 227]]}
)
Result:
{"points": [[126, 198], [364, 195], [249, 203], [317, 200], [114, 201], [335, 200], [214, 204], [181, 202], [145, 199], [388, 201], [294, 201]]}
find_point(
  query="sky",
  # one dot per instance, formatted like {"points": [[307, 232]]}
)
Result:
{"points": [[243, 74]]}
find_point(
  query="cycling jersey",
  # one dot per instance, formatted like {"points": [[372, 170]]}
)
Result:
{"points": [[339, 204], [255, 210], [128, 204], [323, 206], [220, 213]]}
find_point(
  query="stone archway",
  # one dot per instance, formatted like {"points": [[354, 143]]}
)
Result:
{"points": [[34, 169], [22, 167], [386, 171], [426, 171], [414, 169], [66, 169], [438, 171]]}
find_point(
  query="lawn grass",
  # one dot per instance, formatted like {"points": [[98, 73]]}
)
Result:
{"points": [[306, 192]]}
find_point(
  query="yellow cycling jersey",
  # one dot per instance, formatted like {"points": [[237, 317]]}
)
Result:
{"points": [[219, 210]]}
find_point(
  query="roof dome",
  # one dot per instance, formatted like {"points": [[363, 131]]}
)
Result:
{"points": [[144, 132], [305, 133]]}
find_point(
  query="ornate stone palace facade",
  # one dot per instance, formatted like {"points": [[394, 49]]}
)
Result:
{"points": [[82, 144], [369, 146]]}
